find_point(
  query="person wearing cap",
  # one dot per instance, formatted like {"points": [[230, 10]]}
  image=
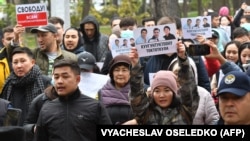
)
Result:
{"points": [[168, 104], [94, 41], [91, 79], [234, 97], [114, 94], [87, 62], [49, 51], [72, 40]]}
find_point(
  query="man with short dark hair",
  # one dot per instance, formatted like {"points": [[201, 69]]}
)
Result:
{"points": [[73, 115], [147, 22], [168, 35], [155, 37], [5, 53], [58, 23]]}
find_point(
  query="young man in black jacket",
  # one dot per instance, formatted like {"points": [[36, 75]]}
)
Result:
{"points": [[73, 115]]}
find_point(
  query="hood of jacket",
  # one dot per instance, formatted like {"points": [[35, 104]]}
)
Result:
{"points": [[90, 19]]}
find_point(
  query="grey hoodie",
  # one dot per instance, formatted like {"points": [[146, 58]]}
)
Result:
{"points": [[98, 46]]}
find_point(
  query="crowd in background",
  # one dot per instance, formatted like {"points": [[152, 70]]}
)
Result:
{"points": [[43, 86]]}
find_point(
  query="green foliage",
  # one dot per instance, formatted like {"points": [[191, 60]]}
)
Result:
{"points": [[10, 11], [105, 29], [100, 18], [76, 16]]}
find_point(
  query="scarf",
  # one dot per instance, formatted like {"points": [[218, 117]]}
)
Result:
{"points": [[32, 83], [112, 96]]}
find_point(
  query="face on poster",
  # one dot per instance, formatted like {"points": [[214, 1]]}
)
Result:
{"points": [[191, 27], [121, 46], [154, 40]]}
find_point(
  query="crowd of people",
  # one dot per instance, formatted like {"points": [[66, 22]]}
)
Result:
{"points": [[46, 83]]}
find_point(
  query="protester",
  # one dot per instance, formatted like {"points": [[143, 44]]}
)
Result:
{"points": [[234, 95], [34, 110], [114, 94], [73, 115], [206, 113], [5, 53], [93, 40], [58, 23], [25, 82], [127, 25], [165, 107], [91, 79], [48, 51], [72, 41]]}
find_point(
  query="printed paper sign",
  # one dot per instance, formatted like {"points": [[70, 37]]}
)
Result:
{"points": [[155, 40], [191, 27], [121, 46], [31, 15], [88, 79]]}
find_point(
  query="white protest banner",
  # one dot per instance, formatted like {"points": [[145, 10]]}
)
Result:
{"points": [[191, 27], [155, 40], [151, 76], [31, 15], [121, 46], [91, 83]]}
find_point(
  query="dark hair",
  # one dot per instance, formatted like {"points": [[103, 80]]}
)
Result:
{"points": [[239, 32], [8, 29], [25, 50], [237, 43], [241, 48], [213, 14], [144, 29], [198, 20], [114, 18], [68, 63], [156, 29], [166, 20], [166, 27], [127, 21], [79, 43], [148, 19], [55, 20], [247, 17]]}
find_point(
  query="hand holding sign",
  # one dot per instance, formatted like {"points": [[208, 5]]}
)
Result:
{"points": [[133, 55], [181, 50], [18, 30]]}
